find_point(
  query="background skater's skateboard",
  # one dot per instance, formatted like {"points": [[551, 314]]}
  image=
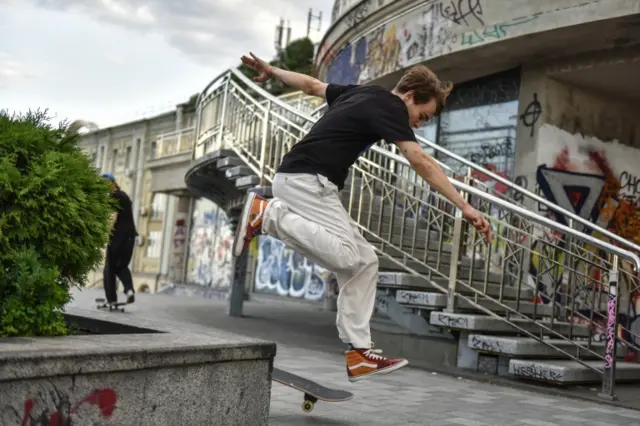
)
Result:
{"points": [[312, 391], [102, 304]]}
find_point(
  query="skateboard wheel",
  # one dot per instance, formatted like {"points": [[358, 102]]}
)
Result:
{"points": [[307, 406]]}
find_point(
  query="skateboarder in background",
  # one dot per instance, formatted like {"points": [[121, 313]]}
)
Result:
{"points": [[306, 212], [120, 247]]}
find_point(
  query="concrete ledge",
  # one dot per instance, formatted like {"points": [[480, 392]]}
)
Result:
{"points": [[167, 378]]}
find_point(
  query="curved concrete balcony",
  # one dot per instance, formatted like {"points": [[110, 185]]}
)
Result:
{"points": [[171, 160], [376, 40]]}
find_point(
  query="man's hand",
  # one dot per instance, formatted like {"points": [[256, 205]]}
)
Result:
{"points": [[264, 70], [478, 221]]}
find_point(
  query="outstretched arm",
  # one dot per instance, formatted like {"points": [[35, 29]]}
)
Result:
{"points": [[431, 171], [309, 85]]}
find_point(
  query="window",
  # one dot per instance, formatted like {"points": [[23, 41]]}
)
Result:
{"points": [[127, 158], [100, 158], [158, 206], [154, 242], [152, 151], [479, 123], [113, 161]]}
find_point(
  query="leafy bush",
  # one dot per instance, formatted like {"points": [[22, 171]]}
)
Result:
{"points": [[54, 222]]}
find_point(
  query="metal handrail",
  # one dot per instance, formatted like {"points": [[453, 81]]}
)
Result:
{"points": [[532, 195], [505, 204], [534, 217]]}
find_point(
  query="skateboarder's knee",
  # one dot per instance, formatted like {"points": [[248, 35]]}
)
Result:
{"points": [[349, 257]]}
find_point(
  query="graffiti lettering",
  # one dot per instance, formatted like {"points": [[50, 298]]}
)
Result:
{"points": [[452, 321], [481, 344], [210, 262], [357, 15], [288, 273], [458, 13], [522, 182], [630, 183], [496, 32], [532, 113], [537, 372], [490, 151]]}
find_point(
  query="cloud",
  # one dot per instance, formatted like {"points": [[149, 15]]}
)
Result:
{"points": [[206, 30], [11, 70]]}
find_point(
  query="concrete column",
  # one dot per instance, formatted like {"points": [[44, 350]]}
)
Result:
{"points": [[167, 233], [533, 92]]}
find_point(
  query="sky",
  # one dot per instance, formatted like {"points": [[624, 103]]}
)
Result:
{"points": [[111, 61]]}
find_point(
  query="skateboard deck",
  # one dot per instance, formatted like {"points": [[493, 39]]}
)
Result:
{"points": [[312, 390], [102, 304]]}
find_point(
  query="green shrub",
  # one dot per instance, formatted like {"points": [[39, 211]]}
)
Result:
{"points": [[54, 222]]}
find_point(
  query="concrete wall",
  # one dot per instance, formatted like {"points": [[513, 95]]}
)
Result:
{"points": [[171, 378], [376, 38]]}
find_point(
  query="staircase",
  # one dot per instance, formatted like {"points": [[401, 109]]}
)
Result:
{"points": [[528, 306]]}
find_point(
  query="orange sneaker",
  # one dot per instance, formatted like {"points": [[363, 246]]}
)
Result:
{"points": [[250, 222], [363, 363]]}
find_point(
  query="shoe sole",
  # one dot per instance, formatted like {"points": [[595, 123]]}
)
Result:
{"points": [[387, 370], [241, 230]]}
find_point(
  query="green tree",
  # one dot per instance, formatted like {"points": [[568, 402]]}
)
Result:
{"points": [[54, 221], [297, 57]]}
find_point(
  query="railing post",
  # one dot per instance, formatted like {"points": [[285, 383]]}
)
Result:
{"points": [[609, 372], [224, 111], [456, 247], [264, 139]]}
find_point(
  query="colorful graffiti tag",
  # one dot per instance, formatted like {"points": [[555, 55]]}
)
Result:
{"points": [[593, 179], [65, 413], [287, 273], [210, 261], [438, 28]]}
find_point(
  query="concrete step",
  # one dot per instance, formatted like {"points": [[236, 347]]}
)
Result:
{"points": [[570, 372], [401, 280], [422, 299], [247, 182], [228, 162], [528, 347], [464, 273], [220, 153], [238, 171], [408, 241], [431, 301], [431, 256], [485, 323], [524, 307]]}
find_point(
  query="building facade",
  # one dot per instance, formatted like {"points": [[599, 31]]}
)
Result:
{"points": [[544, 90], [148, 158]]}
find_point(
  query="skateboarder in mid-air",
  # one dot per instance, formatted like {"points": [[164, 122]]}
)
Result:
{"points": [[306, 212], [120, 247]]}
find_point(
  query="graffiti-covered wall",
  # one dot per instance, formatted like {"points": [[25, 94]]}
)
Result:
{"points": [[434, 29], [285, 272], [210, 258]]}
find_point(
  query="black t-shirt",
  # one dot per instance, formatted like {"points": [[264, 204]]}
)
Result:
{"points": [[125, 226], [358, 117]]}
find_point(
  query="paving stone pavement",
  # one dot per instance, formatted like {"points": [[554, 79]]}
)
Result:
{"points": [[408, 396], [415, 397]]}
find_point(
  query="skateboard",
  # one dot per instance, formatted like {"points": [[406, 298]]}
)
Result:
{"points": [[102, 304], [312, 390]]}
